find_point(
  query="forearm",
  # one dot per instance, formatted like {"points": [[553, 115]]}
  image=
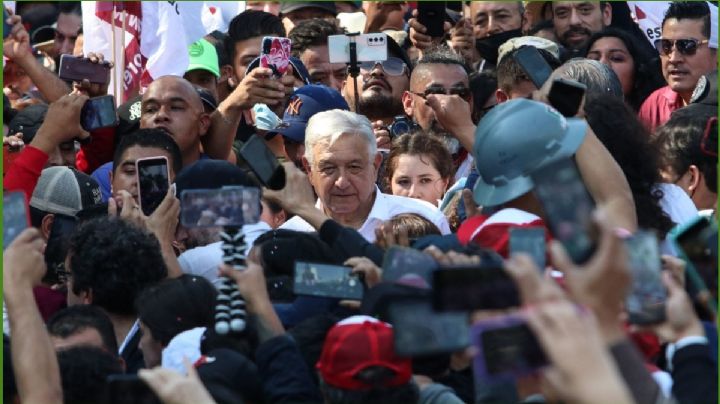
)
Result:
{"points": [[266, 320], [466, 136], [314, 216], [631, 367], [47, 82], [606, 181], [225, 121], [171, 262], [34, 359]]}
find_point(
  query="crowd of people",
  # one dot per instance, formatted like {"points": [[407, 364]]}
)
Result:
{"points": [[401, 170]]}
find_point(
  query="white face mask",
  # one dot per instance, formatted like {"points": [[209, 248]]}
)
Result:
{"points": [[265, 119]]}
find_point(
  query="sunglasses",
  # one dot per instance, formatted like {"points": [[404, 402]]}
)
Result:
{"points": [[686, 47], [392, 66], [462, 92]]}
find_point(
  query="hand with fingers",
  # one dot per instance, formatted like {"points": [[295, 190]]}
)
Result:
{"points": [[418, 34], [16, 46], [371, 273], [173, 388], [452, 258], [14, 142], [164, 220], [471, 207], [61, 124], [23, 262], [462, 41], [123, 204], [94, 89], [259, 87], [386, 236], [382, 135], [680, 318]]}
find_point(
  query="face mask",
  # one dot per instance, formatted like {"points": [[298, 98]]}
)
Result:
{"points": [[488, 47], [265, 119]]}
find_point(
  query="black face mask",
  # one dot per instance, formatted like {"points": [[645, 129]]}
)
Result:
{"points": [[488, 47]]}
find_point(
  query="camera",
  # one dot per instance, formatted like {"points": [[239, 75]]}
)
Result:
{"points": [[400, 126]]}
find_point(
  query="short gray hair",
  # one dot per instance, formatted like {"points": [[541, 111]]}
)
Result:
{"points": [[599, 78], [328, 126]]}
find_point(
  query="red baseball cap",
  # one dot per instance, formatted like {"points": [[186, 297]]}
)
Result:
{"points": [[358, 343]]}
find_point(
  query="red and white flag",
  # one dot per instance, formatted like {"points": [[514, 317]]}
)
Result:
{"points": [[649, 16], [145, 40]]}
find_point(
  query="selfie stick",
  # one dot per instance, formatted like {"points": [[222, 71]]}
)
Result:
{"points": [[354, 69], [230, 306]]}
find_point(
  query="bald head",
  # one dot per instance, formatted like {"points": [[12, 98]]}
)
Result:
{"points": [[172, 104], [165, 84]]}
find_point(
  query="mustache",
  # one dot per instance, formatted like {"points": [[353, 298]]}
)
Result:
{"points": [[576, 30], [380, 79]]}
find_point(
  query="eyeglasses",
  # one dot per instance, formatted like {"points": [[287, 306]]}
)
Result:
{"points": [[686, 47], [392, 66], [462, 92]]}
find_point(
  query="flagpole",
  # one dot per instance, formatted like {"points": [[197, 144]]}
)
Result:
{"points": [[114, 49], [122, 85]]}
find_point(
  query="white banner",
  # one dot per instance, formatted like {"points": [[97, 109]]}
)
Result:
{"points": [[649, 16]]}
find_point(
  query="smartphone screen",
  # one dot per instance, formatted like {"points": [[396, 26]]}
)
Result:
{"points": [[568, 207], [128, 389], [98, 112], [432, 15], [77, 69], [230, 206], [419, 330], [327, 281], [409, 266], [6, 27], [646, 302], [506, 347], [530, 241], [15, 216], [261, 159], [275, 54], [566, 96], [153, 182], [533, 64], [473, 288]]}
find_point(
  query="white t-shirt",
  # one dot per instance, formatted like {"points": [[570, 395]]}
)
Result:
{"points": [[385, 207]]}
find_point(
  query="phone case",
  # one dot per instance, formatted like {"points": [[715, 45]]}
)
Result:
{"points": [[275, 54], [150, 192], [516, 357]]}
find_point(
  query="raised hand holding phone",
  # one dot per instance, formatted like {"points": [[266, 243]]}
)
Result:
{"points": [[275, 54]]}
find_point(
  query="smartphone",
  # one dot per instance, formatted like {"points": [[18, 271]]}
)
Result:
{"points": [[9, 157], [408, 266], [77, 69], [566, 96], [263, 163], [16, 216], [57, 247], [275, 54], [646, 302], [506, 347], [230, 206], [696, 242], [533, 64], [419, 331], [568, 207], [98, 112], [368, 47], [153, 179], [473, 288], [432, 15], [6, 27], [327, 281], [128, 389], [530, 241]]}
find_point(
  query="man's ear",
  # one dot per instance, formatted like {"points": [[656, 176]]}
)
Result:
{"points": [[228, 72], [204, 123], [408, 103], [46, 225], [378, 161], [306, 165], [87, 297], [607, 14], [501, 96]]}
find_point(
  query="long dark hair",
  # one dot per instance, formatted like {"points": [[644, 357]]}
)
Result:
{"points": [[647, 74], [627, 140]]}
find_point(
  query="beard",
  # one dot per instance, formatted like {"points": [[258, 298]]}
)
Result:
{"points": [[378, 106]]}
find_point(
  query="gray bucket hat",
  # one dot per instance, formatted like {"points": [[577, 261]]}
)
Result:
{"points": [[513, 140]]}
